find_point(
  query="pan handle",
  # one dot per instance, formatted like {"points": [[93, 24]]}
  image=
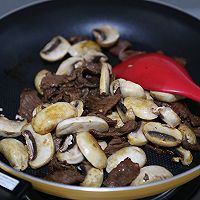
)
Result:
{"points": [[12, 188]]}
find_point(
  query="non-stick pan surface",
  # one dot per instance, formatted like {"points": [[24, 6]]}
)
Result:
{"points": [[147, 25]]}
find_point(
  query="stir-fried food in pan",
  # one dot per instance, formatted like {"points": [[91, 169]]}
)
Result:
{"points": [[89, 128]]}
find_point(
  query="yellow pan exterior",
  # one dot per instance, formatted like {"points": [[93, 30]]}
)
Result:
{"points": [[132, 192]]}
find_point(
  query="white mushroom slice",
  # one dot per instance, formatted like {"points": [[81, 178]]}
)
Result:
{"points": [[187, 133], [127, 88], [48, 118], [68, 65], [148, 96], [55, 49], [91, 150], [162, 135], [10, 128], [78, 104], [39, 108], [106, 35], [115, 116], [142, 108], [81, 48], [38, 79], [95, 56], [103, 144], [72, 156], [186, 157], [15, 152], [105, 79], [136, 154], [169, 116], [94, 178], [45, 148], [122, 113], [151, 174], [165, 97], [137, 137], [80, 124]]}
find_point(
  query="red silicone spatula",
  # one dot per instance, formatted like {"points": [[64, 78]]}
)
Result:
{"points": [[158, 72]]}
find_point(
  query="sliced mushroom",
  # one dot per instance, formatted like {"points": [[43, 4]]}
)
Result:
{"points": [[52, 115], [104, 79], [10, 128], [91, 150], [162, 135], [121, 110], [102, 144], [95, 56], [187, 133], [94, 178], [81, 48], [68, 143], [45, 147], [137, 137], [115, 116], [56, 49], [151, 174], [127, 88], [169, 116], [15, 152], [106, 35], [38, 79], [68, 65], [148, 96], [186, 157], [142, 108], [80, 124], [166, 97], [136, 154], [72, 156], [78, 104]]}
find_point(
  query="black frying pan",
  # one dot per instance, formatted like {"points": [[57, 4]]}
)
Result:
{"points": [[147, 25]]}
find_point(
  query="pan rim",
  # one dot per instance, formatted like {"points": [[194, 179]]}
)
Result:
{"points": [[101, 189], [108, 189]]}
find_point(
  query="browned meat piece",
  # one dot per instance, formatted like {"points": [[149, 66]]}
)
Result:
{"points": [[116, 132], [65, 176], [102, 104], [181, 61], [188, 146], [63, 173], [121, 46], [116, 144], [125, 172], [124, 55], [92, 68], [28, 101], [197, 131]]}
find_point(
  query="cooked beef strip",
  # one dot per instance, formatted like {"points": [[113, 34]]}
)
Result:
{"points": [[29, 100], [62, 172], [197, 131], [116, 132], [116, 144], [120, 46], [101, 104], [188, 146], [92, 68], [125, 172]]}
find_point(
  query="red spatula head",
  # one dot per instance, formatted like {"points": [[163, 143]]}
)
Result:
{"points": [[159, 73]]}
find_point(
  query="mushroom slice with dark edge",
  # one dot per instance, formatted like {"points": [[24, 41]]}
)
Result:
{"points": [[81, 48], [80, 124], [15, 152], [55, 49], [184, 156], [106, 35], [44, 147], [162, 135], [68, 143], [68, 65], [95, 56], [10, 128], [78, 104], [150, 174]]}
